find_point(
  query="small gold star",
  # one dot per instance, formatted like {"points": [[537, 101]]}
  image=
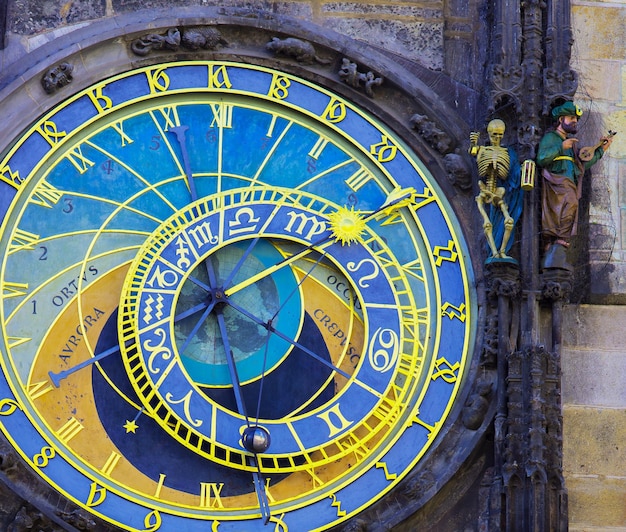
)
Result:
{"points": [[130, 426]]}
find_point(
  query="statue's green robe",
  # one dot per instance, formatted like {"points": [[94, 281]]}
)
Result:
{"points": [[562, 186]]}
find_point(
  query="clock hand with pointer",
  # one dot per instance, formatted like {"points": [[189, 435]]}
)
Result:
{"points": [[203, 239], [255, 439]]}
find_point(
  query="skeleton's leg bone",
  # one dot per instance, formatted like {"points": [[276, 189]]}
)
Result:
{"points": [[508, 229], [487, 226]]}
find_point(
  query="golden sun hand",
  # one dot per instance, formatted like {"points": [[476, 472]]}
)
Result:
{"points": [[346, 225]]}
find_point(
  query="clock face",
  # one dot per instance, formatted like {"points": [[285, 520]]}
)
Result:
{"points": [[229, 298]]}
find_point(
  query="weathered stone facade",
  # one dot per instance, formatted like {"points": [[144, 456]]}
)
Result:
{"points": [[594, 360]]}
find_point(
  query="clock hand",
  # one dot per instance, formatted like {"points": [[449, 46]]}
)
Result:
{"points": [[240, 262], [179, 131], [56, 378], [269, 327], [197, 326], [321, 243], [191, 311], [267, 338], [396, 199], [248, 436]]}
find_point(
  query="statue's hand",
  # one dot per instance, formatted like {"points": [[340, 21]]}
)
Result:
{"points": [[569, 143], [474, 136]]}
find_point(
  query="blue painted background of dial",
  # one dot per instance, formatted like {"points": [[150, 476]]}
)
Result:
{"points": [[147, 203]]}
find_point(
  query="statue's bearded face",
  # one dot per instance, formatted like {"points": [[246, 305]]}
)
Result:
{"points": [[569, 124]]}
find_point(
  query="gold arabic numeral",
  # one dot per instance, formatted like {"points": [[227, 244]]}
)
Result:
{"points": [[335, 420], [42, 459], [8, 406], [10, 289], [281, 526], [101, 102], [384, 151], [335, 111], [50, 132], [45, 195], [12, 177], [279, 88], [222, 115], [39, 389], [124, 138], [96, 496], [80, 162], [23, 240], [452, 311], [426, 197], [158, 80], [152, 521], [110, 464], [359, 178], [446, 371], [210, 494], [445, 253], [337, 504], [389, 476], [218, 77]]}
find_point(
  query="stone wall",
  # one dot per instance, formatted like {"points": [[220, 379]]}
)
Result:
{"points": [[412, 30], [594, 416], [594, 357], [599, 57]]}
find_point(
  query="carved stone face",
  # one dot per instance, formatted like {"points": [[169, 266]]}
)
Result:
{"points": [[495, 130]]}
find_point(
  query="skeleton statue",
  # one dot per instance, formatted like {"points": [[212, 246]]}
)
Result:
{"points": [[500, 188]]}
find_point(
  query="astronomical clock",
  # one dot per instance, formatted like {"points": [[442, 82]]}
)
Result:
{"points": [[232, 299]]}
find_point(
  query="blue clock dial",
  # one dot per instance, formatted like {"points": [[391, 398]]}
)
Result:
{"points": [[230, 297]]}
